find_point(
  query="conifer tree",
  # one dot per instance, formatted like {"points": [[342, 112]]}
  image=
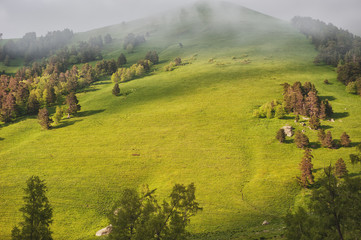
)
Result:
{"points": [[340, 168], [345, 140], [116, 89], [281, 136], [321, 136], [44, 119], [72, 102], [328, 141], [58, 115], [306, 167], [301, 140], [122, 60], [314, 122], [37, 213]]}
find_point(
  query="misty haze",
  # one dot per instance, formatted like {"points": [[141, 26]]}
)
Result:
{"points": [[192, 120]]}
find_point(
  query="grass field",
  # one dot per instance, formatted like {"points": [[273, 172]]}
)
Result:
{"points": [[193, 124]]}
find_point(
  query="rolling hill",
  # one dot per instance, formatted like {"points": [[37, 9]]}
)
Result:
{"points": [[193, 124]]}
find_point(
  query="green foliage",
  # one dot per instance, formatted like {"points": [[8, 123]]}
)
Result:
{"points": [[334, 211], [37, 213], [270, 110], [351, 88], [127, 74], [59, 113], [139, 216], [356, 158]]}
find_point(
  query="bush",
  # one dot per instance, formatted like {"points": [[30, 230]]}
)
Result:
{"points": [[351, 88]]}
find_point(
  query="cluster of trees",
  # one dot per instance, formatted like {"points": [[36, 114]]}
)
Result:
{"points": [[134, 216], [303, 100], [134, 71], [131, 41], [325, 139], [127, 74], [300, 100], [140, 216], [337, 47], [175, 63], [108, 67], [334, 209], [30, 47], [27, 92]]}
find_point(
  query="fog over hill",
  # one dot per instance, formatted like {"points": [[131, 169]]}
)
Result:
{"points": [[40, 16]]}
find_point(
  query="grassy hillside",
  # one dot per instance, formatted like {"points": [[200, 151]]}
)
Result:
{"points": [[193, 124]]}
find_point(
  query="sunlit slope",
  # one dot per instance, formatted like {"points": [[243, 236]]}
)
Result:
{"points": [[193, 124]]}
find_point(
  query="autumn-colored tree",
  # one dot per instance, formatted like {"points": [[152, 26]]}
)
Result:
{"points": [[306, 167], [328, 141], [72, 102], [44, 119], [301, 140], [314, 122], [345, 140], [281, 136], [8, 108], [340, 168]]}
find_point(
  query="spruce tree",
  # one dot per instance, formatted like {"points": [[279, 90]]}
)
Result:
{"points": [[301, 140], [306, 167], [281, 136], [44, 119], [340, 168], [328, 141], [345, 140], [37, 213], [321, 136], [72, 102], [116, 89], [314, 122], [122, 60]]}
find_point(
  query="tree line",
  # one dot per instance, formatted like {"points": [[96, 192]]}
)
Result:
{"points": [[336, 47]]}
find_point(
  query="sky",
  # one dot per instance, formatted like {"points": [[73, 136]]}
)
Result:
{"points": [[18, 17]]}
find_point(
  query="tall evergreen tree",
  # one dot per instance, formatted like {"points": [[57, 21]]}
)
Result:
{"points": [[72, 102], [116, 89], [314, 122], [37, 213], [306, 167], [44, 119], [122, 60], [328, 141], [301, 140], [340, 168]]}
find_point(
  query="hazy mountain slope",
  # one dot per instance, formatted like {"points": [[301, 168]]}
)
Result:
{"points": [[193, 124]]}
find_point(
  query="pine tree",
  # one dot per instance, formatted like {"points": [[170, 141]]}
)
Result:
{"points": [[306, 167], [122, 60], [314, 122], [37, 213], [301, 140], [328, 141], [340, 168], [72, 102], [116, 89], [345, 140], [43, 117], [281, 136], [321, 136]]}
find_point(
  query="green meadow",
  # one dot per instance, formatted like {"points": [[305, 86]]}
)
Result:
{"points": [[193, 124]]}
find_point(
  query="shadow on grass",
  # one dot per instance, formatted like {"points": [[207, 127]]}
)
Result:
{"points": [[315, 145], [339, 115], [354, 174], [1, 139], [289, 141], [101, 83], [354, 144], [89, 113], [66, 124], [326, 127], [329, 98]]}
